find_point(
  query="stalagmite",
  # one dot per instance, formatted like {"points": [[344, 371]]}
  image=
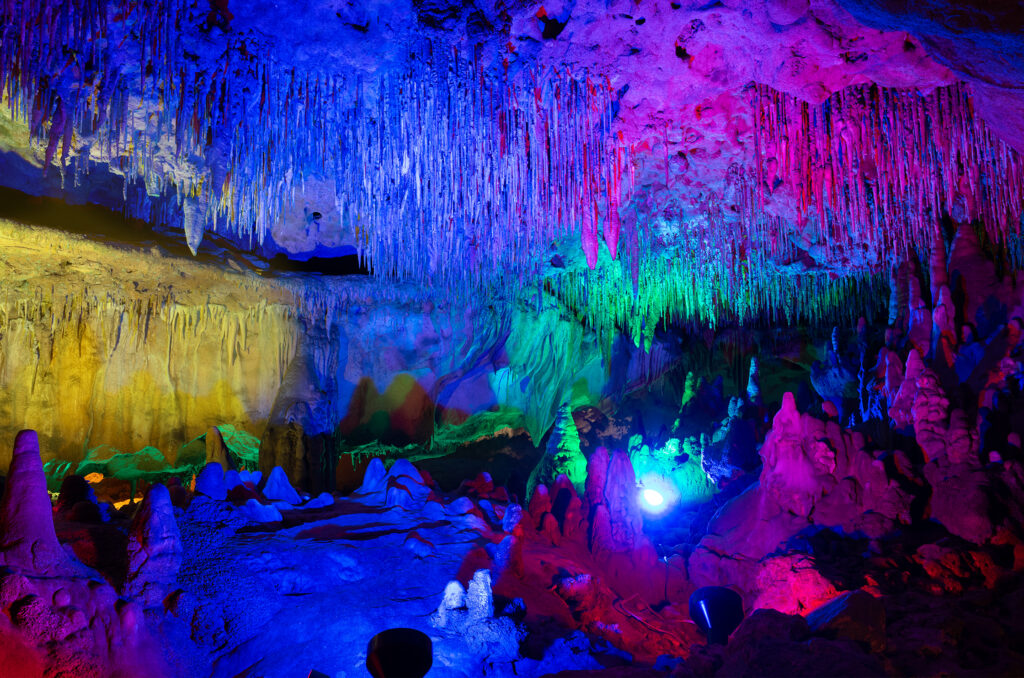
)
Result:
{"points": [[562, 456], [28, 541], [216, 450], [460, 255], [944, 327], [210, 481], [971, 274], [479, 600], [937, 273], [154, 548], [920, 326], [753, 384], [277, 487]]}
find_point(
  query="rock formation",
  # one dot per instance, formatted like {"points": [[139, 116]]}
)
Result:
{"points": [[210, 481], [562, 456], [753, 269], [28, 542], [154, 549]]}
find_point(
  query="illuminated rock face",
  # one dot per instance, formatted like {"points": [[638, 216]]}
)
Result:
{"points": [[106, 347], [110, 350], [28, 542], [154, 549], [550, 204], [914, 496], [692, 160]]}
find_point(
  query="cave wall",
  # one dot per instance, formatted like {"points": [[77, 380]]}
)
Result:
{"points": [[108, 348]]}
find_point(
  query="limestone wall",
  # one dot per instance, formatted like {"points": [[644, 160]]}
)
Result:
{"points": [[107, 347], [102, 345]]}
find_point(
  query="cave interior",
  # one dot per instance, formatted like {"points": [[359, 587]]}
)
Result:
{"points": [[470, 338]]}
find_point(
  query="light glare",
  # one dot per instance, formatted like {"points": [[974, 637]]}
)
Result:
{"points": [[652, 498]]}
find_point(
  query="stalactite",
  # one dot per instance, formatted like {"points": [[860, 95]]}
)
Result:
{"points": [[883, 166], [507, 168]]}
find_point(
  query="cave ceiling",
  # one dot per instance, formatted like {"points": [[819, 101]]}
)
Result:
{"points": [[644, 161]]}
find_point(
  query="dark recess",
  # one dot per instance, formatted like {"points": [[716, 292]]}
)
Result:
{"points": [[344, 265], [552, 28], [102, 224]]}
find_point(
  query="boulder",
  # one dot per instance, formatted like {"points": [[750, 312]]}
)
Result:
{"points": [[260, 513], [232, 479], [277, 488], [791, 583], [210, 482], [322, 500]]}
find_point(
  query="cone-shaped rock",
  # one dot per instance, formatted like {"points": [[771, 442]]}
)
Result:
{"points": [[28, 541], [563, 455], [154, 548], [210, 481], [277, 487], [216, 449]]}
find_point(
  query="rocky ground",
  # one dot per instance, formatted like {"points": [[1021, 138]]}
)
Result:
{"points": [[872, 525]]}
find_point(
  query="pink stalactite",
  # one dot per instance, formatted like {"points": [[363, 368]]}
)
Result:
{"points": [[589, 235], [882, 166], [612, 227]]}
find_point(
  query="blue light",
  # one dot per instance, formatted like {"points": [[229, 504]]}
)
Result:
{"points": [[652, 501], [653, 498], [656, 495]]}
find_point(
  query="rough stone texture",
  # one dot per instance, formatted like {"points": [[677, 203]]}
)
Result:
{"points": [[454, 599], [167, 373], [562, 456], [277, 487], [49, 374], [762, 648], [375, 477], [28, 542], [405, 486], [924, 513], [856, 615], [210, 481], [216, 450], [154, 549], [814, 473], [960, 500], [676, 79]]}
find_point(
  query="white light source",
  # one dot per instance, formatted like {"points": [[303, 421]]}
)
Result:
{"points": [[652, 499], [656, 495]]}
